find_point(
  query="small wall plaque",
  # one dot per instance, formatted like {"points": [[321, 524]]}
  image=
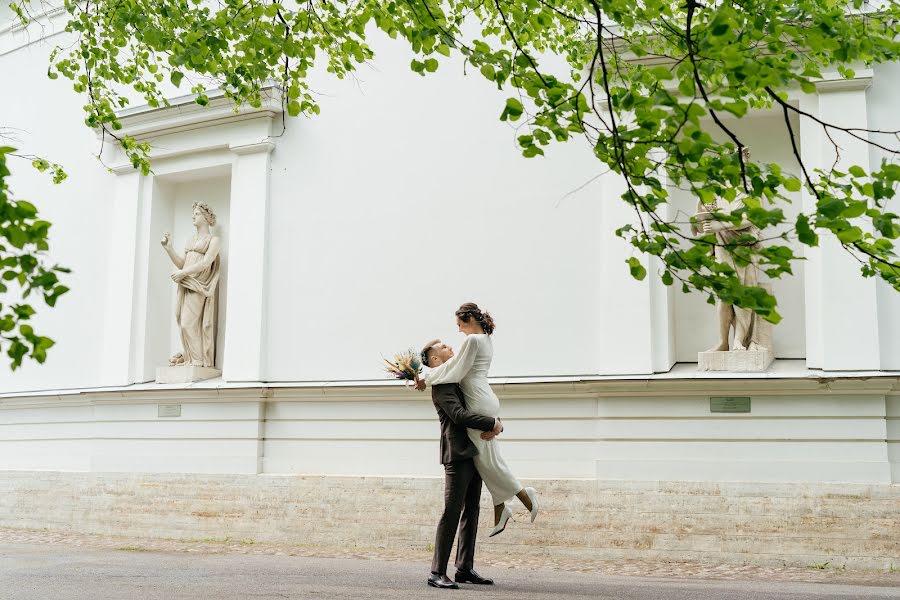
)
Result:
{"points": [[168, 410], [729, 404]]}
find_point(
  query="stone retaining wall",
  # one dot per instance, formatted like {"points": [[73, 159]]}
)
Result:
{"points": [[852, 525]]}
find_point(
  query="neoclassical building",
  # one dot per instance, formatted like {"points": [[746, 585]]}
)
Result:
{"points": [[357, 234]]}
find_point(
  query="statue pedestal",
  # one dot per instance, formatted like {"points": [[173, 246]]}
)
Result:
{"points": [[185, 374], [739, 361]]}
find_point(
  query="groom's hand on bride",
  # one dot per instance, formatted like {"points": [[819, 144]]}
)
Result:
{"points": [[489, 435]]}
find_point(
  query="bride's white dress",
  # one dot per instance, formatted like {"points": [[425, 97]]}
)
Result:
{"points": [[469, 368]]}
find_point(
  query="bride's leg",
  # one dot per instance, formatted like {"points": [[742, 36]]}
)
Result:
{"points": [[521, 495], [498, 510]]}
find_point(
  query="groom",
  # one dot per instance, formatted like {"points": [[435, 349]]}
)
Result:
{"points": [[462, 483]]}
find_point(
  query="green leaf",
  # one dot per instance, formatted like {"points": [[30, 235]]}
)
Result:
{"points": [[791, 184], [830, 206], [513, 110], [661, 73], [805, 233], [737, 108], [26, 210], [637, 269], [849, 236], [855, 208]]}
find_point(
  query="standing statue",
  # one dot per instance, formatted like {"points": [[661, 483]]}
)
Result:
{"points": [[750, 331], [197, 278]]}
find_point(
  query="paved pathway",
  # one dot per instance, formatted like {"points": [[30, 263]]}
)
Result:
{"points": [[39, 565], [48, 572]]}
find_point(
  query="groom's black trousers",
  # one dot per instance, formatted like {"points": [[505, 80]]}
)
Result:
{"points": [[462, 494]]}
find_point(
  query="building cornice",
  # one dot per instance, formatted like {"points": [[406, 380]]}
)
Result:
{"points": [[861, 384], [45, 22], [183, 114], [834, 82]]}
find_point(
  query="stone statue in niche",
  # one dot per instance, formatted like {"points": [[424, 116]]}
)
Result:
{"points": [[197, 278], [750, 348]]}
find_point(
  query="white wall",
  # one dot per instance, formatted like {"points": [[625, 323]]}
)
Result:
{"points": [[51, 124], [6, 14], [407, 197], [799, 430]]}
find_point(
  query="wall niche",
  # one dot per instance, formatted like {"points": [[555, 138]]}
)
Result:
{"points": [[172, 200]]}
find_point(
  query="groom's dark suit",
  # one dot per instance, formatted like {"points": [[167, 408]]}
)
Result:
{"points": [[462, 484]]}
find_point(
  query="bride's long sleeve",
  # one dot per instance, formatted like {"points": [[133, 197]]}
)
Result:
{"points": [[455, 369]]}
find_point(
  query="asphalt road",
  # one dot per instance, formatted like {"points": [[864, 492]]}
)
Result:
{"points": [[48, 572]]}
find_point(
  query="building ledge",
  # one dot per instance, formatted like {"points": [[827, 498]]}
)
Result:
{"points": [[784, 377], [184, 114]]}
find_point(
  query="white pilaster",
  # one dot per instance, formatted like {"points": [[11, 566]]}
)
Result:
{"points": [[245, 336], [120, 281], [662, 310], [842, 315], [636, 316]]}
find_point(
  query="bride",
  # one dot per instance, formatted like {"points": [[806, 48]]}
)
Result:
{"points": [[469, 369]]}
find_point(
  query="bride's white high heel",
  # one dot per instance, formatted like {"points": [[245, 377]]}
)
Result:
{"points": [[532, 495], [505, 516]]}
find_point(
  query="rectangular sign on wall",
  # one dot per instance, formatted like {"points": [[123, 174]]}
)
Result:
{"points": [[168, 410], [729, 404]]}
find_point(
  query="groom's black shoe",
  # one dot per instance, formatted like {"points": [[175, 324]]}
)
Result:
{"points": [[472, 577], [441, 581]]}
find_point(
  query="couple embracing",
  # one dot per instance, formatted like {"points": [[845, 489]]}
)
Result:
{"points": [[469, 414]]}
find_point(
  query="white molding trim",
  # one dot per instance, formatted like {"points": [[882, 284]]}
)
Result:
{"points": [[184, 130], [886, 385], [205, 151], [17, 26], [834, 82], [43, 25], [183, 114], [245, 149]]}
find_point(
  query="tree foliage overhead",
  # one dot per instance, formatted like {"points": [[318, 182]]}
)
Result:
{"points": [[651, 85], [24, 269]]}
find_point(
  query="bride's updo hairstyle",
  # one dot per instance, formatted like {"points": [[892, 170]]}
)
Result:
{"points": [[470, 310]]}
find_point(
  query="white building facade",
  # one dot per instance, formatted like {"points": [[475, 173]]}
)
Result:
{"points": [[357, 234]]}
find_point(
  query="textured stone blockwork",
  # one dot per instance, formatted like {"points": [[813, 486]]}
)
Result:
{"points": [[795, 524]]}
